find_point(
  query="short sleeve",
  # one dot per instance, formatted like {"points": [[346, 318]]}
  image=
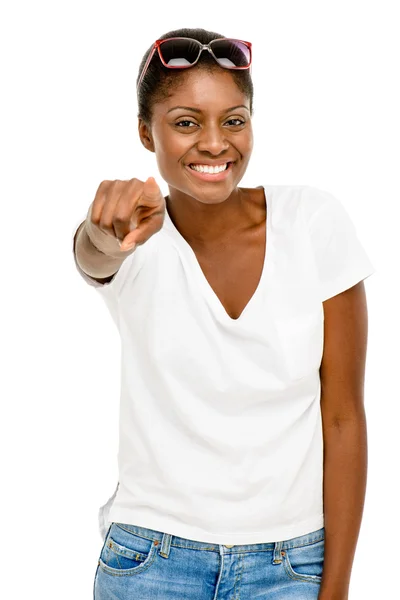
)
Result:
{"points": [[340, 257]]}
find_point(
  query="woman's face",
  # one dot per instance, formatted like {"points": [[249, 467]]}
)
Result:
{"points": [[206, 120]]}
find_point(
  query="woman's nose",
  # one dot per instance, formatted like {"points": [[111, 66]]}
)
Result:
{"points": [[212, 139]]}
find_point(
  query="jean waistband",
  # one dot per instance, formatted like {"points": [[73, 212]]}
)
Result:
{"points": [[174, 540]]}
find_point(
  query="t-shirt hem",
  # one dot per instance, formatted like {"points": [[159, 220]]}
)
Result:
{"points": [[166, 525]]}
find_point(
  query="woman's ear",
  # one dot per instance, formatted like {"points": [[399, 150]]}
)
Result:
{"points": [[145, 135]]}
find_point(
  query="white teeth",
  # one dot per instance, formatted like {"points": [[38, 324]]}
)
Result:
{"points": [[208, 168]]}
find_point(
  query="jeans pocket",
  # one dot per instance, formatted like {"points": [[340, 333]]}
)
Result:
{"points": [[305, 563], [125, 553]]}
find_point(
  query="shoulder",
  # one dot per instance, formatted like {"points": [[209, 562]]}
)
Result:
{"points": [[318, 202], [285, 201], [319, 208]]}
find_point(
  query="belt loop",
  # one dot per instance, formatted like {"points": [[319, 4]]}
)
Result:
{"points": [[165, 545], [277, 558]]}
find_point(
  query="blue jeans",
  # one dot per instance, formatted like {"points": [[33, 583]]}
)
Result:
{"points": [[137, 563]]}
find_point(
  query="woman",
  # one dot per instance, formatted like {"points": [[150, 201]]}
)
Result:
{"points": [[243, 324]]}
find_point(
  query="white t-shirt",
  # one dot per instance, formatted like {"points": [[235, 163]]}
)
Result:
{"points": [[220, 435]]}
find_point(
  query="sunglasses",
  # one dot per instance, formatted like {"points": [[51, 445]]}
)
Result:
{"points": [[182, 53]]}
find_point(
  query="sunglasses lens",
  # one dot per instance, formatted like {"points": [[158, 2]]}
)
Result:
{"points": [[231, 53], [179, 52]]}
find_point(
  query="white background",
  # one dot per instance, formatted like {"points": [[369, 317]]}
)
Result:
{"points": [[326, 114]]}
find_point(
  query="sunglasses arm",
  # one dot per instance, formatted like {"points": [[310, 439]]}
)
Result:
{"points": [[143, 73]]}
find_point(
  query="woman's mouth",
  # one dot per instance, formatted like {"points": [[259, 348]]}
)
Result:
{"points": [[210, 173]]}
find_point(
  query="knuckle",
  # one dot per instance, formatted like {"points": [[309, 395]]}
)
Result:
{"points": [[115, 184], [104, 184]]}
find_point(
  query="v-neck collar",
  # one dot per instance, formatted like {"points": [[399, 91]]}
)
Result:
{"points": [[208, 291]]}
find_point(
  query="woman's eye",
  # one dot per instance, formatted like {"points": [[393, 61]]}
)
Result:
{"points": [[238, 121], [190, 122]]}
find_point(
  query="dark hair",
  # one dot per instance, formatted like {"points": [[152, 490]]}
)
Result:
{"points": [[159, 80]]}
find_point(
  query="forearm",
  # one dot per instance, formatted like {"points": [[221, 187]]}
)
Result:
{"points": [[345, 475]]}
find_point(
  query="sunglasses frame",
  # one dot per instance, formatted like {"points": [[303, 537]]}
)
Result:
{"points": [[158, 43]]}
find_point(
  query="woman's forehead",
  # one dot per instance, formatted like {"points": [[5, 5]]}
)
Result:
{"points": [[204, 91]]}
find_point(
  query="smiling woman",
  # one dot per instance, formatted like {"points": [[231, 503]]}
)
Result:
{"points": [[221, 312]]}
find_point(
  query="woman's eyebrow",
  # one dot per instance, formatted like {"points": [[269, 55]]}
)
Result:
{"points": [[196, 110]]}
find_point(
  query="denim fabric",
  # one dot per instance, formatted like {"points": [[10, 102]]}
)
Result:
{"points": [[137, 563]]}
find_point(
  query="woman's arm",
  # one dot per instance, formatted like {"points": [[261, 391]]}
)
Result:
{"points": [[345, 435]]}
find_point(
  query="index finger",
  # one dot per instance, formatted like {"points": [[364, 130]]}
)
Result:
{"points": [[151, 192]]}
